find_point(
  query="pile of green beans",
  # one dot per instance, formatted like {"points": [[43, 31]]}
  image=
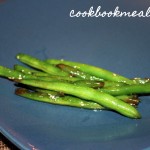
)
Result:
{"points": [[76, 84]]}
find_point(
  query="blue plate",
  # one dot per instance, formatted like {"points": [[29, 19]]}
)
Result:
{"points": [[44, 29]]}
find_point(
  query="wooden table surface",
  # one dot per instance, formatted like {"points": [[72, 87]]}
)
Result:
{"points": [[5, 144]]}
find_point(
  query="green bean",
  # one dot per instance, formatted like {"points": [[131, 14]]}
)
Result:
{"points": [[12, 74], [78, 85], [54, 98], [98, 84], [23, 69], [77, 73], [87, 93], [57, 77], [141, 81], [41, 65], [41, 74], [113, 84], [128, 89], [26, 70], [17, 75], [92, 70], [89, 83], [131, 99]]}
